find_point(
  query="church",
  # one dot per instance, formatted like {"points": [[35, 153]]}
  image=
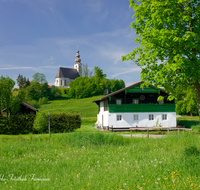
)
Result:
{"points": [[67, 75]]}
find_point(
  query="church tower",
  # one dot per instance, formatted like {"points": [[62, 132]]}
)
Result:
{"points": [[78, 64]]}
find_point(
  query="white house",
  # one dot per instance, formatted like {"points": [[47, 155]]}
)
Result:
{"points": [[67, 75], [134, 106]]}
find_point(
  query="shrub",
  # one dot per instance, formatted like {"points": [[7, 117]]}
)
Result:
{"points": [[59, 123], [19, 124], [196, 128], [34, 103], [64, 122], [43, 100], [41, 122]]}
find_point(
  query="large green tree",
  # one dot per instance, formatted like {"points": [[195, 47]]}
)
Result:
{"points": [[169, 37], [22, 81], [39, 77], [10, 103]]}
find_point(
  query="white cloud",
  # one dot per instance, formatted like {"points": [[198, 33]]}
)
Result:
{"points": [[49, 61], [29, 68], [128, 71], [95, 6]]}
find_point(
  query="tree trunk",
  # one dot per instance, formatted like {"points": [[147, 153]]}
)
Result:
{"points": [[197, 92]]}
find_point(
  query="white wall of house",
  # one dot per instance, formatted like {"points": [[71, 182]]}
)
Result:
{"points": [[127, 119], [61, 82]]}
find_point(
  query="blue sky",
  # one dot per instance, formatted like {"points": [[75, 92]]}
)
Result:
{"points": [[40, 35]]}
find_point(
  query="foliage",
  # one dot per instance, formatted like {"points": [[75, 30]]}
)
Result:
{"points": [[83, 87], [55, 93], [187, 121], [19, 124], [40, 78], [59, 123], [41, 122], [169, 36], [38, 103], [10, 103], [64, 91], [15, 89], [22, 82], [189, 102], [64, 122], [37, 91], [196, 128]]}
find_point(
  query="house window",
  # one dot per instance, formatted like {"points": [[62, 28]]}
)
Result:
{"points": [[151, 117], [135, 117], [57, 81], [135, 101], [164, 116], [65, 83], [119, 117], [118, 101], [61, 82]]}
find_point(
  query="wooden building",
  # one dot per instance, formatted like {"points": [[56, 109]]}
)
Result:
{"points": [[25, 108]]}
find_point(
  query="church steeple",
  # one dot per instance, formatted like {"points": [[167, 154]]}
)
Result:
{"points": [[78, 64]]}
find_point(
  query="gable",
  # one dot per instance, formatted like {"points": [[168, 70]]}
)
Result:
{"points": [[138, 89], [135, 88]]}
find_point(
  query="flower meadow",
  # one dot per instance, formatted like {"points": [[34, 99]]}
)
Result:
{"points": [[95, 160]]}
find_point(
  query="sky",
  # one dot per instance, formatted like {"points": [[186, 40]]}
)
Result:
{"points": [[41, 35]]}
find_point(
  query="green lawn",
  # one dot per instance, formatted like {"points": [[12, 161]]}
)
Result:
{"points": [[99, 161]]}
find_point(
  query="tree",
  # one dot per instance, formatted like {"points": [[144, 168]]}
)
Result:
{"points": [[22, 81], [39, 77], [189, 102], [7, 100], [86, 72], [83, 87], [98, 73], [169, 36]]}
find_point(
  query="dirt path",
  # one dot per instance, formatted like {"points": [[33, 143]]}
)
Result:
{"points": [[143, 135]]}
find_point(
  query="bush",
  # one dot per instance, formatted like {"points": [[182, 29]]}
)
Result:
{"points": [[41, 122], [59, 123], [43, 100], [34, 103], [64, 122], [19, 124], [196, 128]]}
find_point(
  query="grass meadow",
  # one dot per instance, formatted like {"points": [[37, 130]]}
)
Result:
{"points": [[96, 160], [87, 159]]}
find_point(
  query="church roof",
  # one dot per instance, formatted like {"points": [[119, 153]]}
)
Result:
{"points": [[67, 73]]}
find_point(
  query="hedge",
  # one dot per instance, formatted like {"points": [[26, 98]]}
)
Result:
{"points": [[19, 124], [25, 124], [59, 123]]}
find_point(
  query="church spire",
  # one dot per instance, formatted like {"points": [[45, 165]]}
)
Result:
{"points": [[77, 60], [78, 64]]}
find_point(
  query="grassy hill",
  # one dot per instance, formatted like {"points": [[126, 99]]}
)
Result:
{"points": [[87, 109]]}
